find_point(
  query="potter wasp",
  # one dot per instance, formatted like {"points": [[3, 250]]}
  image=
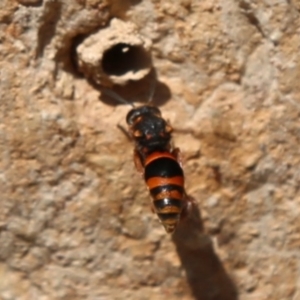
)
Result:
{"points": [[158, 162]]}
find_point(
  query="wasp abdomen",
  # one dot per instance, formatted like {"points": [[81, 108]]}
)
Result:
{"points": [[165, 180]]}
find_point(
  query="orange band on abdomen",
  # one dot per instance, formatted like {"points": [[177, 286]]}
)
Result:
{"points": [[155, 155], [158, 181]]}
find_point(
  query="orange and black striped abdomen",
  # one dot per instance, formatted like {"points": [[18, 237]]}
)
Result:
{"points": [[165, 180]]}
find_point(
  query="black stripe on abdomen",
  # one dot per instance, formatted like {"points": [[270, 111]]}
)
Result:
{"points": [[162, 203], [163, 167], [169, 216]]}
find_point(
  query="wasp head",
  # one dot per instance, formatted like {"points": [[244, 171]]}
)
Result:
{"points": [[148, 128]]}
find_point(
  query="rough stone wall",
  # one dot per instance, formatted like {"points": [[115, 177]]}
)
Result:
{"points": [[75, 218]]}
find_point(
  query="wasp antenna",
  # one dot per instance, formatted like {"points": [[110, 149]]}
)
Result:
{"points": [[152, 90], [116, 96]]}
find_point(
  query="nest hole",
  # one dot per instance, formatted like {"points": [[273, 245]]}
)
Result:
{"points": [[123, 58]]}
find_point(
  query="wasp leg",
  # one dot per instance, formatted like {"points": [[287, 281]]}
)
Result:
{"points": [[152, 85], [190, 204], [176, 152], [138, 162], [126, 133], [152, 208]]}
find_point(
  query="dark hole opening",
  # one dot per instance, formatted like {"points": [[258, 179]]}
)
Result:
{"points": [[123, 58]]}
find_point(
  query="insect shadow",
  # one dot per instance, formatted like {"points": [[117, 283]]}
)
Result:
{"points": [[205, 273]]}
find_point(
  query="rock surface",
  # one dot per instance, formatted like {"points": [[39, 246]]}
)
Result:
{"points": [[75, 219]]}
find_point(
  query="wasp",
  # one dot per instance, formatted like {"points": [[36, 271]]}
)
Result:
{"points": [[159, 163]]}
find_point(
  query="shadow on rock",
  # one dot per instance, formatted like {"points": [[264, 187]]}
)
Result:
{"points": [[205, 273], [142, 91]]}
